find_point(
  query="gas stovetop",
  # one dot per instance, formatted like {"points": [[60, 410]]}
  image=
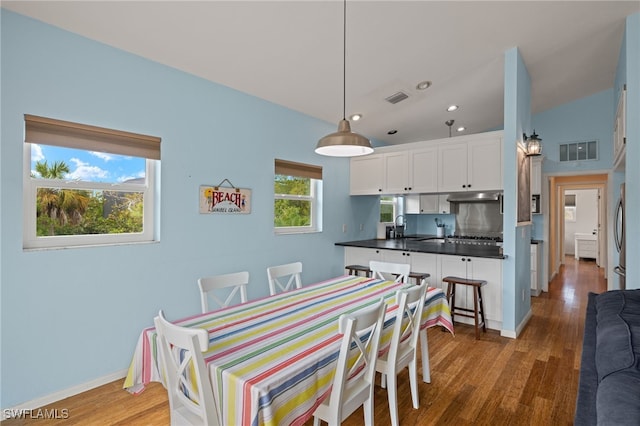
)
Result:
{"points": [[486, 240]]}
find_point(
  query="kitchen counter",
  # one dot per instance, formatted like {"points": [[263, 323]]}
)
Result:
{"points": [[411, 244]]}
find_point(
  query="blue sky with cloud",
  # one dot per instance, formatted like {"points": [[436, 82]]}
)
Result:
{"points": [[90, 166]]}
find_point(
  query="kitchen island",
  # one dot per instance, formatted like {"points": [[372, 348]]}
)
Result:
{"points": [[420, 244], [440, 258]]}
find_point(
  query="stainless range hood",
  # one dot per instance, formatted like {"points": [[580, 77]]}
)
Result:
{"points": [[471, 197]]}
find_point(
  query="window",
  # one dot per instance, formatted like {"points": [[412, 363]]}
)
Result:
{"points": [[297, 197], [390, 208], [86, 185], [570, 207], [579, 151]]}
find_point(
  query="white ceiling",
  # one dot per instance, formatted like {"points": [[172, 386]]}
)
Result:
{"points": [[290, 52]]}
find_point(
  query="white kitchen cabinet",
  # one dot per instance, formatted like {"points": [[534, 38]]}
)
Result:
{"points": [[475, 165], [452, 175], [476, 268], [361, 255], [427, 204], [536, 270], [423, 170], [367, 175], [396, 173], [420, 262]]}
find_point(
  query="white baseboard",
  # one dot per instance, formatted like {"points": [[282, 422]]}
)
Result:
{"points": [[65, 393], [514, 334]]}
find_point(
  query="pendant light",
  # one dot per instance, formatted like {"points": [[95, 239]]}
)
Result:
{"points": [[344, 142]]}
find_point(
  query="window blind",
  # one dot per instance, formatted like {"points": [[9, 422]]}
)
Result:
{"points": [[291, 168], [49, 131]]}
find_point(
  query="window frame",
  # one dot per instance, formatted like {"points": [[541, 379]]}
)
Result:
{"points": [[397, 203], [149, 189], [314, 197]]}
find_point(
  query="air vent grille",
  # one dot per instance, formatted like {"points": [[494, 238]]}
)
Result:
{"points": [[397, 97]]}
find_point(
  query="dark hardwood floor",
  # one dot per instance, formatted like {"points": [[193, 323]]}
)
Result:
{"points": [[531, 380]]}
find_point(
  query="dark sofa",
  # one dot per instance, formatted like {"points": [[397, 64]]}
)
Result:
{"points": [[609, 388]]}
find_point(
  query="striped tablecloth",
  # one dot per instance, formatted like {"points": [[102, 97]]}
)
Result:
{"points": [[271, 360]]}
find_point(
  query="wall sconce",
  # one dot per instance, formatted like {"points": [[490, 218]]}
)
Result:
{"points": [[533, 144]]}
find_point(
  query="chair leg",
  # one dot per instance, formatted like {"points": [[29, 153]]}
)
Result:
{"points": [[424, 351], [368, 410], [316, 421], [392, 394], [383, 380], [413, 380]]}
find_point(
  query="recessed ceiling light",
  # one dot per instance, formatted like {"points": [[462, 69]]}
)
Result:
{"points": [[356, 117], [392, 132], [423, 85], [452, 108], [461, 129]]}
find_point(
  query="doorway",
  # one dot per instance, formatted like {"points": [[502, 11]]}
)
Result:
{"points": [[581, 219], [559, 186]]}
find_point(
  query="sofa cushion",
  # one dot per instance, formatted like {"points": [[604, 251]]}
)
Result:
{"points": [[614, 351]]}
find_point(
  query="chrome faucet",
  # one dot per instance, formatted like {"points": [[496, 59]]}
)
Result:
{"points": [[399, 229]]}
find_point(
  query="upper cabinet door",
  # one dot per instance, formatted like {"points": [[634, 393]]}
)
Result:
{"points": [[396, 169], [423, 170], [452, 174], [485, 165], [366, 175]]}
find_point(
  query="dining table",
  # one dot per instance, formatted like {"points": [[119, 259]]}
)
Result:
{"points": [[271, 360]]}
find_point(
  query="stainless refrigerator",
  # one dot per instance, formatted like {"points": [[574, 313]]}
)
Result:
{"points": [[618, 233]]}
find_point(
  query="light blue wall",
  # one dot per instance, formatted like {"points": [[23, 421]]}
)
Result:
{"points": [[589, 118], [516, 276], [632, 171], [72, 316]]}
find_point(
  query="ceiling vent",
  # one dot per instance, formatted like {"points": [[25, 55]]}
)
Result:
{"points": [[397, 97]]}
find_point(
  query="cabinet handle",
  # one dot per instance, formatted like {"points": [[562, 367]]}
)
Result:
{"points": [[379, 189], [469, 185], [464, 186], [468, 260]]}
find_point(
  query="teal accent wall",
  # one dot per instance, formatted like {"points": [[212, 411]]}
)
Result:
{"points": [[516, 276], [72, 316]]}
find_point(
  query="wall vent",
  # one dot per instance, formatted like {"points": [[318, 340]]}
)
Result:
{"points": [[397, 97]]}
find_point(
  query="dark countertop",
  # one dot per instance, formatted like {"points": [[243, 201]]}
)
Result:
{"points": [[410, 244]]}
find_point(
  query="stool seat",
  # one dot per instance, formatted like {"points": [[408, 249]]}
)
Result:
{"points": [[356, 269], [419, 276], [465, 281], [478, 306]]}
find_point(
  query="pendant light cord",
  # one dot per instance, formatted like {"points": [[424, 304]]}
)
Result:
{"points": [[344, 61]]}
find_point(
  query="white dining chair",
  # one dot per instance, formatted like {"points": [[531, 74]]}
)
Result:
{"points": [[398, 272], [191, 400], [278, 274], [361, 338], [403, 348], [209, 286]]}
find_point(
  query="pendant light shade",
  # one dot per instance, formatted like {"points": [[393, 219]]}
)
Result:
{"points": [[344, 143]]}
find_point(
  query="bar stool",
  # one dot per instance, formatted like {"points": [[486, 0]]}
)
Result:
{"points": [[478, 307], [356, 269], [419, 276]]}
